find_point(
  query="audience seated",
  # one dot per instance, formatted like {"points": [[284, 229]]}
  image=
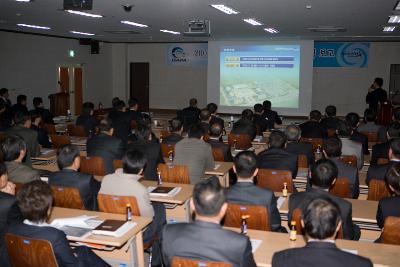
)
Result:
{"points": [[354, 120], [293, 134], [20, 106], [215, 141], [323, 176], [213, 108], [382, 137], [321, 222], [190, 114], [350, 147], [205, 239], [35, 202], [43, 137], [14, 151], [105, 145], [47, 117], [271, 116], [125, 182], [176, 132], [369, 124], [260, 121], [121, 122], [245, 125], [134, 113], [69, 161], [276, 157], [330, 121], [194, 153], [382, 150], [86, 119], [247, 193], [313, 128], [205, 118], [332, 149]]}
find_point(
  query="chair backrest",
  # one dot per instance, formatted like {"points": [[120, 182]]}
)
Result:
{"points": [[164, 134], [76, 130], [349, 159], [382, 161], [391, 231], [166, 149], [18, 187], [239, 141], [93, 166], [218, 154], [117, 204], [377, 189], [49, 128], [117, 164], [274, 179], [302, 161], [372, 136], [59, 140], [67, 197], [258, 220], [341, 188], [174, 173], [183, 262], [331, 132], [24, 251], [315, 142]]}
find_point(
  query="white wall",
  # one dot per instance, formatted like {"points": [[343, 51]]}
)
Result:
{"points": [[28, 65]]}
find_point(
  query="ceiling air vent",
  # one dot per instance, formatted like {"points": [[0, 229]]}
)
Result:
{"points": [[327, 29]]}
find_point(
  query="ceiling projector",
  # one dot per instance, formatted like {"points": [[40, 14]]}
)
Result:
{"points": [[198, 28]]}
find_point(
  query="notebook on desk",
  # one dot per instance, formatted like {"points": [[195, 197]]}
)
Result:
{"points": [[163, 191], [115, 228]]}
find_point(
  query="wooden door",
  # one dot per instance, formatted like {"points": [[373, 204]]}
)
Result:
{"points": [[63, 79], [139, 83], [78, 84]]}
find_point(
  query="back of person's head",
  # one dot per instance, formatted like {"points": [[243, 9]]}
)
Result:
{"points": [[277, 139], [267, 105], [37, 101], [195, 131], [12, 146], [35, 200], [87, 108], [293, 132], [247, 114], [120, 105], [353, 119], [369, 115], [215, 130], [332, 147], [323, 173], [20, 118], [392, 178], [321, 218], [245, 164], [212, 107], [133, 161], [133, 102], [105, 125], [330, 111], [395, 147], [344, 128], [208, 197], [66, 156], [258, 108], [3, 91], [176, 125], [114, 101], [193, 102], [396, 114], [205, 114], [21, 99], [378, 81], [394, 130], [315, 115], [144, 131]]}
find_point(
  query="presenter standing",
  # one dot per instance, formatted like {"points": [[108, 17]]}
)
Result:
{"points": [[376, 95]]}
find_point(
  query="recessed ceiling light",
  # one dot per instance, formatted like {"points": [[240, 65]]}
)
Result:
{"points": [[389, 28], [33, 26], [271, 30], [226, 9], [168, 31], [394, 19], [82, 33], [26, 1], [84, 14], [397, 7], [308, 6], [253, 22], [134, 24]]}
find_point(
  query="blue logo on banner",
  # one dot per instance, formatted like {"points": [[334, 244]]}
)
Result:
{"points": [[178, 54], [337, 55]]}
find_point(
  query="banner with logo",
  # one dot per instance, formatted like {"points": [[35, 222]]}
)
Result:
{"points": [[340, 55], [187, 54]]}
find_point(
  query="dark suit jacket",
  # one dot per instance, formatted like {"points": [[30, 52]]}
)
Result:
{"points": [[88, 187], [302, 199], [226, 149], [205, 126], [272, 117], [379, 151], [47, 117], [317, 254], [206, 241], [121, 123], [278, 159], [153, 154], [106, 147], [313, 129], [262, 124], [172, 139], [244, 126], [359, 137], [135, 116], [18, 108], [215, 119], [189, 116], [249, 194], [375, 97], [301, 149], [378, 172], [88, 122], [387, 207], [350, 173], [43, 137], [330, 122], [31, 139]]}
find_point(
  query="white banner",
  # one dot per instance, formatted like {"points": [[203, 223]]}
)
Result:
{"points": [[187, 54]]}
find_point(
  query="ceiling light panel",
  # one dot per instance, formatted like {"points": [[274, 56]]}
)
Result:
{"points": [[171, 32], [397, 7], [271, 30], [33, 26], [394, 19], [25, 1], [253, 22], [226, 9], [84, 14], [389, 28], [134, 24], [82, 33]]}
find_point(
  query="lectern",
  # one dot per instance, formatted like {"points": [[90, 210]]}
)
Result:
{"points": [[59, 104]]}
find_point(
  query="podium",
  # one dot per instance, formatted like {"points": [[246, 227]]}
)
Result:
{"points": [[385, 113], [59, 103]]}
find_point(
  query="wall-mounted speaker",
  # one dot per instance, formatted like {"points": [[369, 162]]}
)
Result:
{"points": [[94, 47]]}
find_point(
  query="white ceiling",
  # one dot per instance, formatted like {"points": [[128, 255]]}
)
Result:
{"points": [[363, 19]]}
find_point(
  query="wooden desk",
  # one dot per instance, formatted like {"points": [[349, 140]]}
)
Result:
{"points": [[221, 170], [46, 154], [127, 251], [48, 165], [78, 141]]}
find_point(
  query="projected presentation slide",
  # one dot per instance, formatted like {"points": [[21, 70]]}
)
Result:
{"points": [[250, 74]]}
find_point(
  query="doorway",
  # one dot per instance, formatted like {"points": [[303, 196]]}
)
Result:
{"points": [[394, 84], [70, 80], [139, 83]]}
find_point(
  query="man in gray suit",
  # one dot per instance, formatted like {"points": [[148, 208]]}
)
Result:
{"points": [[205, 239], [194, 153], [350, 147], [14, 151]]}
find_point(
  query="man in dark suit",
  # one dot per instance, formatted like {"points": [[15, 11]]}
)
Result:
{"points": [[260, 121], [205, 239], [87, 119], [247, 193], [330, 121], [376, 95], [134, 113], [47, 117], [354, 120], [105, 145], [205, 117], [43, 137], [213, 108], [332, 149], [293, 134], [151, 151], [382, 150], [121, 122], [271, 116], [214, 141], [276, 157], [313, 128], [190, 114], [20, 106], [69, 161], [321, 222], [6, 116], [323, 175], [176, 127], [245, 125]]}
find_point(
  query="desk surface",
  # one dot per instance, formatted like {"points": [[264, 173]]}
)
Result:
{"points": [[180, 198], [221, 168], [141, 222], [46, 154], [78, 141]]}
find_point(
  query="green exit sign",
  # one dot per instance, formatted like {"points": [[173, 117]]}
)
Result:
{"points": [[71, 53]]}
